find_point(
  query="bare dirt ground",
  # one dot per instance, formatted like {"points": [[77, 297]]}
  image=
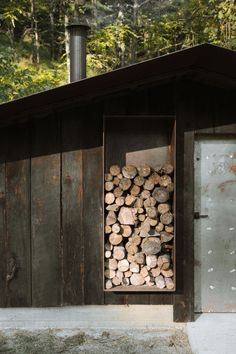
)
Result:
{"points": [[161, 341]]}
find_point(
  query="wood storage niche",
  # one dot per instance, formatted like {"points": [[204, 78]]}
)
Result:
{"points": [[139, 204]]}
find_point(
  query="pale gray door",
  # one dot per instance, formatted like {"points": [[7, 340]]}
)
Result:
{"points": [[215, 225]]}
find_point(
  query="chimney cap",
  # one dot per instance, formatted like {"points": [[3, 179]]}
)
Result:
{"points": [[78, 25]]}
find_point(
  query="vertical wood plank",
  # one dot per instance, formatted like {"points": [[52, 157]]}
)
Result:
{"points": [[45, 212], [3, 270]]}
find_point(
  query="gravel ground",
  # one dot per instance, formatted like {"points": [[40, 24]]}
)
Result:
{"points": [[161, 341]]}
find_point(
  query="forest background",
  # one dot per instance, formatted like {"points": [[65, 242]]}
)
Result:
{"points": [[34, 51]]}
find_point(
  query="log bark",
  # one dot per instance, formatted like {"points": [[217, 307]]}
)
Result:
{"points": [[108, 246], [170, 187]]}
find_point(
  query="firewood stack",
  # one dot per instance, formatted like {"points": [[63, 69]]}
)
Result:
{"points": [[139, 226]]}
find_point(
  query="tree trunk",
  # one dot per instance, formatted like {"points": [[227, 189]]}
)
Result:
{"points": [[35, 33]]}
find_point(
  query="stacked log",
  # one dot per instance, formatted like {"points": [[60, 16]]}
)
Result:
{"points": [[139, 226]]}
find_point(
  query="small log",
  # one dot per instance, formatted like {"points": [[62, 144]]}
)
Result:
{"points": [[140, 210], [167, 273], [128, 274], [112, 207], [129, 200], [108, 177], [165, 180], [107, 229], [139, 258], [163, 261], [116, 181], [107, 254], [138, 203], [141, 217], [159, 227], [161, 195], [139, 181], [166, 237], [119, 275], [129, 171], [109, 273], [126, 230], [125, 281], [135, 239], [144, 170], [145, 194], [151, 261], [134, 267], [166, 218], [126, 216], [151, 245], [109, 198], [114, 170], [148, 185], [168, 169], [151, 212], [163, 208], [155, 272], [108, 246], [144, 272], [115, 239], [149, 202], [170, 187], [169, 283], [160, 282], [118, 192], [120, 201], [108, 284], [115, 228], [135, 190], [130, 257], [120, 176], [109, 186], [154, 178], [116, 281], [131, 248], [119, 253], [111, 218], [137, 279], [111, 263], [169, 228], [125, 184], [123, 265], [152, 222]]}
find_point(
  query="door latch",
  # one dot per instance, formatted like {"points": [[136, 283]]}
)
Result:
{"points": [[197, 215]]}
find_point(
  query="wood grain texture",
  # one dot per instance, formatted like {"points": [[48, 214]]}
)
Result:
{"points": [[3, 270]]}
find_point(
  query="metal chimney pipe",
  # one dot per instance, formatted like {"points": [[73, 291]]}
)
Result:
{"points": [[78, 38]]}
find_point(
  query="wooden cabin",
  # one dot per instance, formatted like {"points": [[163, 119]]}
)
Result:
{"points": [[55, 147]]}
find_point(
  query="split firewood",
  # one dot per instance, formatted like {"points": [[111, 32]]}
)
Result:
{"points": [[111, 218], [116, 281], [127, 274], [169, 283], [109, 273], [144, 272], [118, 192], [163, 261], [137, 279], [119, 275], [166, 237], [170, 187], [119, 253], [134, 267], [161, 195], [165, 180], [139, 181], [109, 186], [130, 257], [120, 176], [126, 230], [163, 208], [135, 190], [166, 218], [125, 281], [111, 263], [114, 170], [116, 181], [151, 261], [108, 246], [160, 282], [151, 245], [108, 284], [112, 207], [129, 200], [152, 222], [115, 239], [129, 171], [151, 212], [140, 258], [107, 254], [131, 248], [149, 202], [154, 178], [135, 240], [116, 228], [144, 229], [123, 265], [107, 229], [148, 185], [159, 227], [126, 216], [168, 169], [167, 273], [155, 272], [108, 177], [144, 170], [109, 198], [138, 203], [125, 184], [169, 228], [145, 194], [120, 201]]}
